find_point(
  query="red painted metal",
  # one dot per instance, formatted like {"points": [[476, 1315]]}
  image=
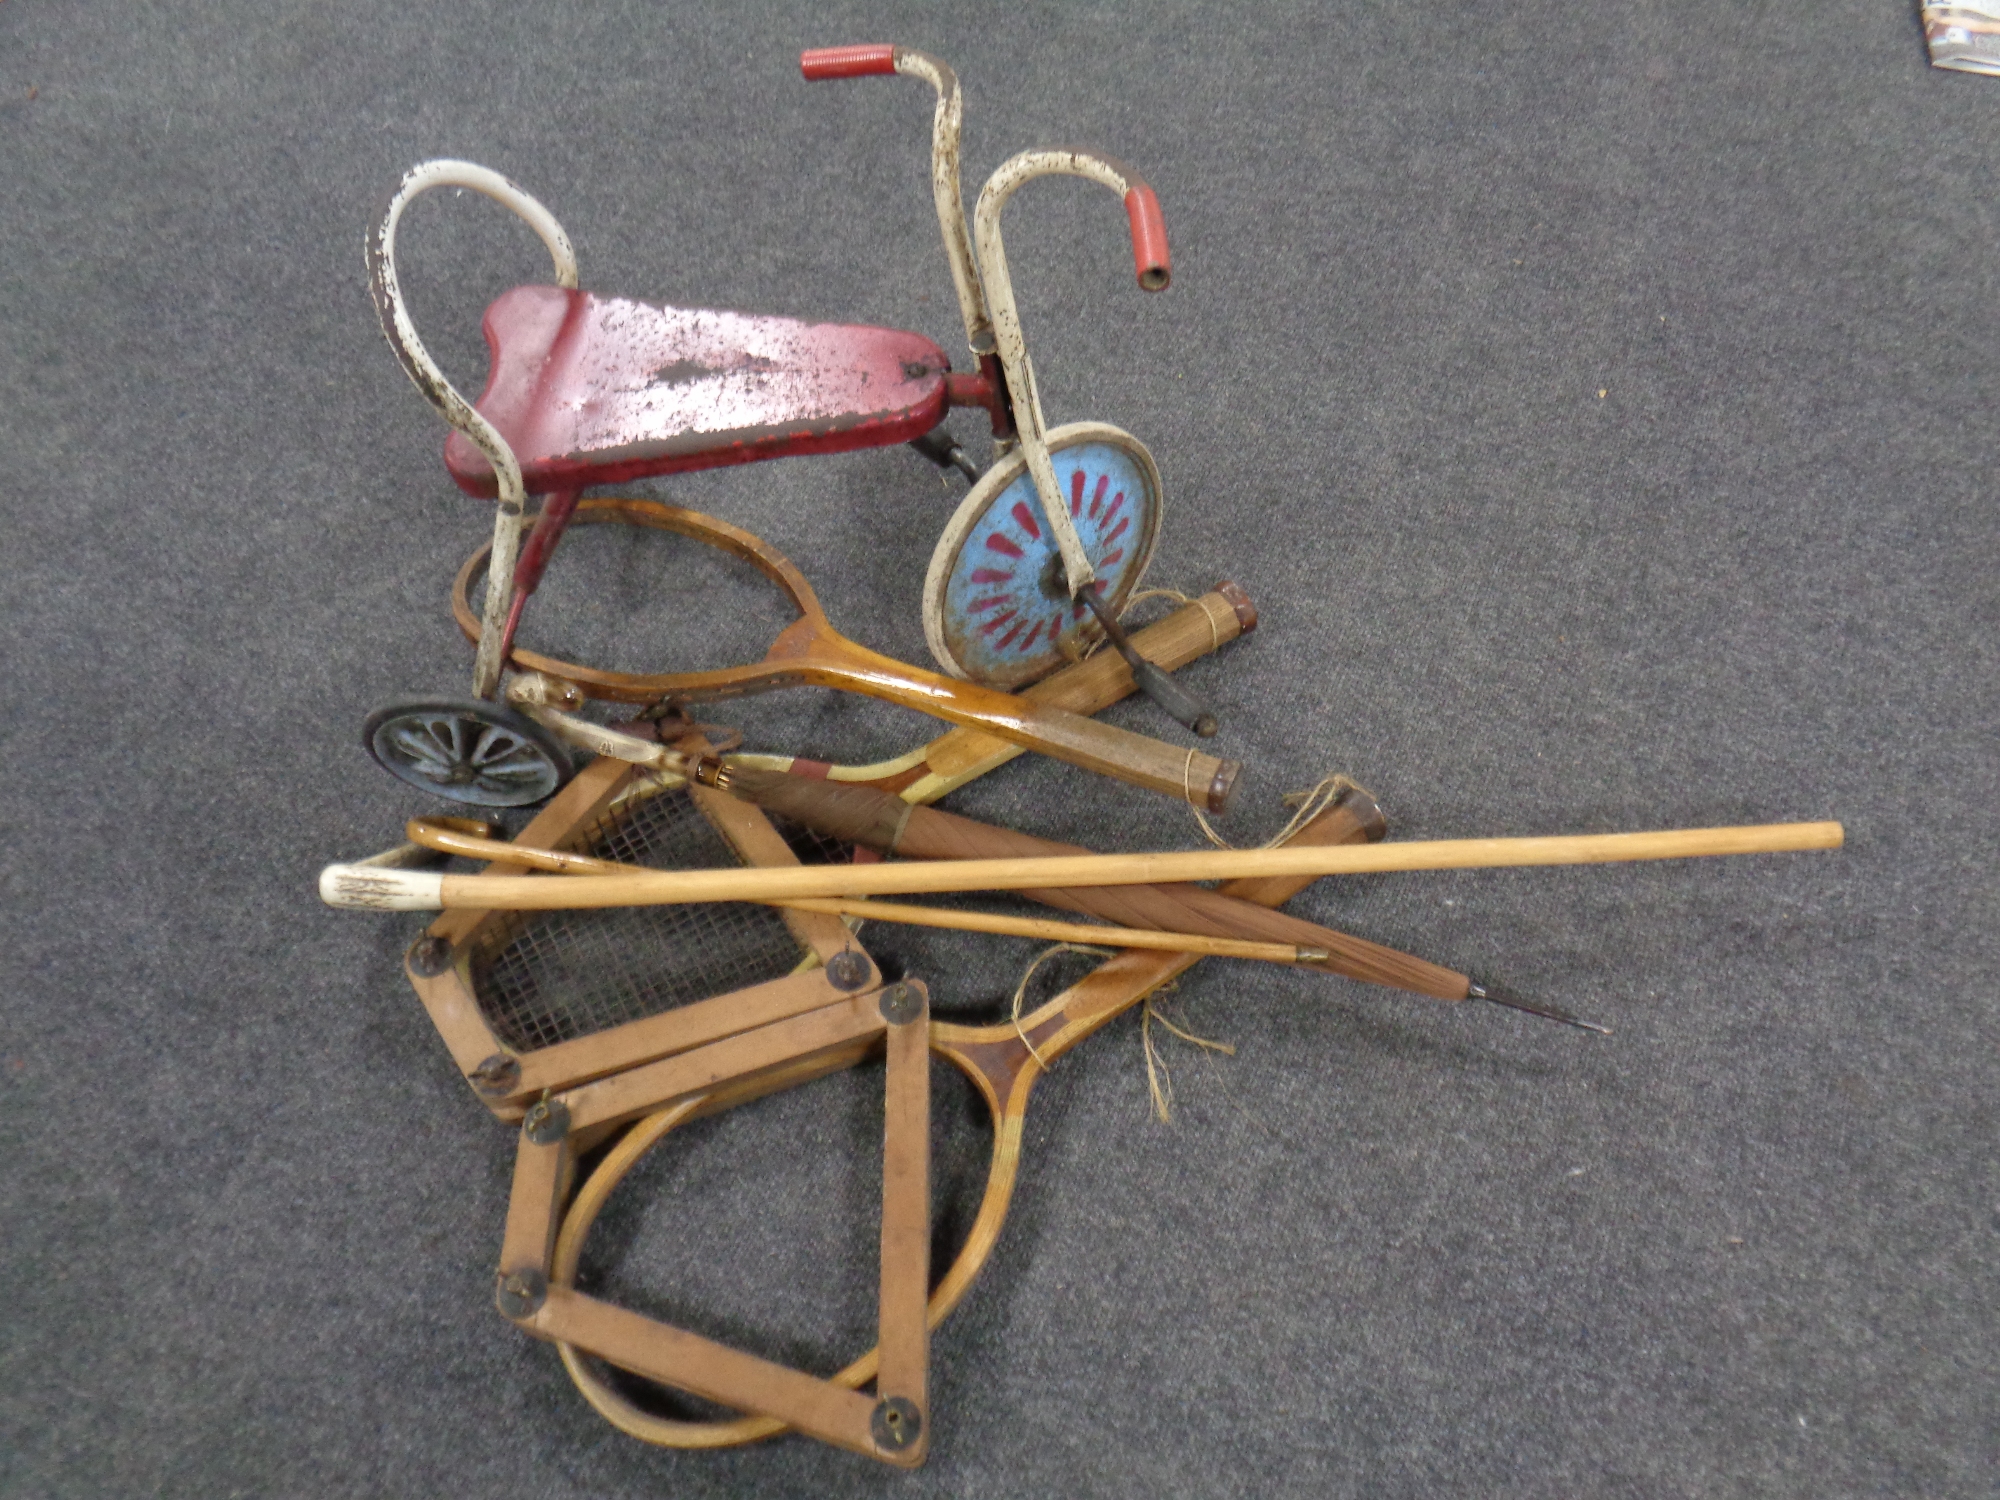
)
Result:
{"points": [[1149, 238], [968, 390], [597, 390], [541, 543], [846, 62], [534, 560], [986, 390], [1001, 408]]}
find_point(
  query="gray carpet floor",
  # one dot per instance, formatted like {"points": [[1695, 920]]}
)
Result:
{"points": [[1599, 403]]}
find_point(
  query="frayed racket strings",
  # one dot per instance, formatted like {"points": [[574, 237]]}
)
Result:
{"points": [[1306, 806], [552, 977], [1159, 1077]]}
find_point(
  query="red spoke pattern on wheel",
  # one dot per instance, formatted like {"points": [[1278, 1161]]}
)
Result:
{"points": [[1006, 605]]}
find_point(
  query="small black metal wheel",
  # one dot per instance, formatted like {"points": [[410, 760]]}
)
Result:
{"points": [[468, 750]]}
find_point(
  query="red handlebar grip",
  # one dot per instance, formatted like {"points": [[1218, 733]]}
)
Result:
{"points": [[846, 62], [1149, 239]]}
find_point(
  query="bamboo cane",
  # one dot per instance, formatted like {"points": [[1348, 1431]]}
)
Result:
{"points": [[437, 836], [852, 813], [362, 888], [1052, 931]]}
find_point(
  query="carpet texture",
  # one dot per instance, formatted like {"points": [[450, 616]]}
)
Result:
{"points": [[1599, 404]]}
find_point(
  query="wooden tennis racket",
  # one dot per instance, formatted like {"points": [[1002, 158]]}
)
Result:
{"points": [[810, 652], [1003, 1062]]}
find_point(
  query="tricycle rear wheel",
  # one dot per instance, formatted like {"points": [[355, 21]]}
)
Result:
{"points": [[467, 750]]}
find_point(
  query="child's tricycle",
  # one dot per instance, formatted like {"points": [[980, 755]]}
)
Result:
{"points": [[586, 390]]}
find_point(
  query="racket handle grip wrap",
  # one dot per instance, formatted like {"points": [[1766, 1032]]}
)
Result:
{"points": [[1124, 756]]}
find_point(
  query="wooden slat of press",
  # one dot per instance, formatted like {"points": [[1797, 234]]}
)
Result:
{"points": [[637, 1090], [448, 997], [532, 1208], [750, 833], [702, 1367], [672, 1031], [906, 1138]]}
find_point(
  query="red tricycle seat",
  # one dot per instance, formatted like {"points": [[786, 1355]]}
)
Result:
{"points": [[597, 390]]}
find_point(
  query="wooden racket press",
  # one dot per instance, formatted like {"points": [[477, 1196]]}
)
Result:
{"points": [[833, 1010], [657, 1071], [544, 1234], [1003, 1062], [574, 1073], [891, 1425]]}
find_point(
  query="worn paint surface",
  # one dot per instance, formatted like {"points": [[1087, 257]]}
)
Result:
{"points": [[821, 63], [1005, 612], [946, 193], [595, 390], [1149, 253], [471, 429]]}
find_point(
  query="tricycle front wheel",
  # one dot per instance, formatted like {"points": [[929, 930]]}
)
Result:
{"points": [[997, 608]]}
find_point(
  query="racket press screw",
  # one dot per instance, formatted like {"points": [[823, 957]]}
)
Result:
{"points": [[848, 970], [521, 1294], [498, 1075], [546, 1122], [429, 956], [895, 1423], [901, 1004]]}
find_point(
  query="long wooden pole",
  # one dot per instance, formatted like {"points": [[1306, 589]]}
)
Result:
{"points": [[440, 834], [412, 890]]}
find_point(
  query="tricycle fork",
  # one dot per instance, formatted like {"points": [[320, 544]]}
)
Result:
{"points": [[499, 615], [1150, 259]]}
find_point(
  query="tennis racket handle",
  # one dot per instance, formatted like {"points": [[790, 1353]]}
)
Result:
{"points": [[1109, 751], [815, 653], [1128, 757]]}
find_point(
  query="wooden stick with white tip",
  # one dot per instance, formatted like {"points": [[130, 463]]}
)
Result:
{"points": [[439, 836], [411, 890]]}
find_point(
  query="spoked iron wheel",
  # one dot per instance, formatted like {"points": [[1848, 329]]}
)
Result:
{"points": [[468, 750]]}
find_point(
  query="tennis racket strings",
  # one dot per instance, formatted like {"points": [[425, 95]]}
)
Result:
{"points": [[541, 978]]}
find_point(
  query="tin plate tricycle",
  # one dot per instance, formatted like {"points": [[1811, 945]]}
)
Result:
{"points": [[586, 390]]}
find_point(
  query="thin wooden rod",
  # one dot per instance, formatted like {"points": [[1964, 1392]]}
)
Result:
{"points": [[1062, 932], [413, 890], [437, 835]]}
